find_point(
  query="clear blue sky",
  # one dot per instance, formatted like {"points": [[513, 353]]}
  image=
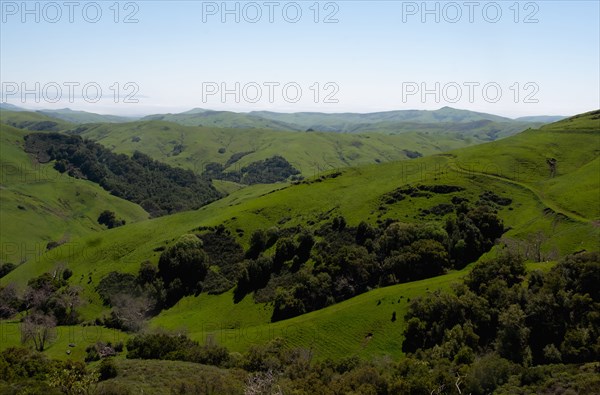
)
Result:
{"points": [[377, 56]]}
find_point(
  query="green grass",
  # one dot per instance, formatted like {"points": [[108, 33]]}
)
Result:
{"points": [[522, 159]]}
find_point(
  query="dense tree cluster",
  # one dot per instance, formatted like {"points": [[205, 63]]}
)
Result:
{"points": [[347, 261], [550, 318], [133, 298], [159, 188], [182, 268], [223, 254], [268, 171]]}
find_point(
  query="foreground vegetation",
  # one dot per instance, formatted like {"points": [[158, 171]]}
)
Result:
{"points": [[491, 334]]}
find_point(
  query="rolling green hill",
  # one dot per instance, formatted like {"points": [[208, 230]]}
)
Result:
{"points": [[310, 152], [557, 206]]}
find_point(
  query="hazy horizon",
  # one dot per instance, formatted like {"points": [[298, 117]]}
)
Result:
{"points": [[183, 110]]}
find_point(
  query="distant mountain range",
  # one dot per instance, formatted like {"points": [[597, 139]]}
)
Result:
{"points": [[391, 122], [446, 119]]}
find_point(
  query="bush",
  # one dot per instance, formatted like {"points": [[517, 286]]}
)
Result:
{"points": [[176, 348], [182, 268], [115, 283], [107, 369], [109, 219], [6, 268]]}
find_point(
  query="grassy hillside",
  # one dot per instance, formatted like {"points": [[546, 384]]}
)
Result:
{"points": [[361, 325], [484, 130], [310, 152], [39, 204], [541, 118], [574, 143]]}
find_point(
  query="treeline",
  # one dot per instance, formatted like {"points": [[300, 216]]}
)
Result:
{"points": [[159, 188], [268, 171]]}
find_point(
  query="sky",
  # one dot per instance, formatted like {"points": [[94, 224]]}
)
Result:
{"points": [[140, 57]]}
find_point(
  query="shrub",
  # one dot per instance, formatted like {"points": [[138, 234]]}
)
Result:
{"points": [[107, 369]]}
